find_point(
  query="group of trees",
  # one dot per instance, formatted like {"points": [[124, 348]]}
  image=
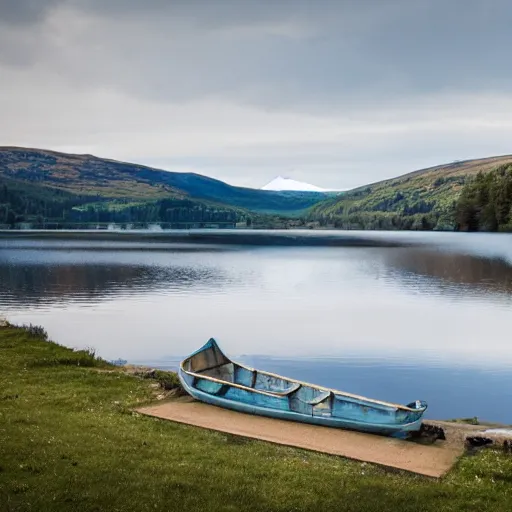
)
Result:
{"points": [[485, 203], [41, 206], [386, 209], [22, 203], [379, 220], [172, 211]]}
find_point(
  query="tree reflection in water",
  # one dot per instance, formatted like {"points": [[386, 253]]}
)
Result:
{"points": [[41, 285]]}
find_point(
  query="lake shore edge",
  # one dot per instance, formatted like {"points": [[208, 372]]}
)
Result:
{"points": [[71, 433]]}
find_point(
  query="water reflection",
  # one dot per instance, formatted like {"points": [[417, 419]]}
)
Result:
{"points": [[427, 319], [450, 272], [49, 286]]}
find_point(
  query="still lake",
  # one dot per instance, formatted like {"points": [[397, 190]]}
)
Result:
{"points": [[402, 316]]}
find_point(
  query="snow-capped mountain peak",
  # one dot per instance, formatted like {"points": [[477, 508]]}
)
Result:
{"points": [[281, 183]]}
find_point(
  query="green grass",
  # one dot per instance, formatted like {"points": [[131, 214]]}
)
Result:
{"points": [[70, 442], [466, 421]]}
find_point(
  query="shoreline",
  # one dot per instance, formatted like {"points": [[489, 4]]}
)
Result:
{"points": [[168, 379], [252, 237], [72, 439]]}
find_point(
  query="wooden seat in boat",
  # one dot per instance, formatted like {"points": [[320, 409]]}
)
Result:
{"points": [[288, 391], [320, 398]]}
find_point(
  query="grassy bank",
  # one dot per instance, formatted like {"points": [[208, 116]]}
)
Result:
{"points": [[69, 441]]}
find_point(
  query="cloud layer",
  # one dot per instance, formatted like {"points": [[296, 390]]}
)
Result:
{"points": [[338, 93]]}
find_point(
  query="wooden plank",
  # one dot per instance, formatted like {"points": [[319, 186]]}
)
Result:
{"points": [[429, 460]]}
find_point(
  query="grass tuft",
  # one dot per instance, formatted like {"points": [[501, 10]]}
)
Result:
{"points": [[35, 331], [86, 358], [9, 397], [168, 381]]}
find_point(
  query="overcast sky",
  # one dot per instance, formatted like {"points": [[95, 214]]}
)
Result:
{"points": [[336, 93]]}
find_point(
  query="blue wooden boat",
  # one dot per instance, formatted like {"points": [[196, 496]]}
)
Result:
{"points": [[210, 376]]}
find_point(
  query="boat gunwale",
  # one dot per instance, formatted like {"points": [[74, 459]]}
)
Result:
{"points": [[280, 395], [388, 427]]}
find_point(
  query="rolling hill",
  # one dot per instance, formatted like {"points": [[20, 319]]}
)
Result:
{"points": [[423, 199], [45, 187], [88, 175]]}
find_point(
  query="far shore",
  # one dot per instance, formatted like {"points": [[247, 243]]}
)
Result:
{"points": [[237, 237]]}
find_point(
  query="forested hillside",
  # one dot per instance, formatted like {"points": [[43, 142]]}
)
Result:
{"points": [[20, 202], [423, 200], [49, 207], [87, 175]]}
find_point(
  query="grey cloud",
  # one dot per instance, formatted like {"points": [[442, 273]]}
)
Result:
{"points": [[332, 59], [342, 53], [212, 13], [25, 11], [216, 13]]}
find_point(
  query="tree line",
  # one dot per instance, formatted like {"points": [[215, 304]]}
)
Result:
{"points": [[20, 203], [485, 203]]}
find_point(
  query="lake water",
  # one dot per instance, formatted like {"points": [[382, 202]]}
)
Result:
{"points": [[394, 316]]}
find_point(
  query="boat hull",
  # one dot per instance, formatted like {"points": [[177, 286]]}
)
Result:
{"points": [[211, 377], [373, 428]]}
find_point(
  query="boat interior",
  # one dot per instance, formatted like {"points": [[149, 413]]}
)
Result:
{"points": [[213, 363]]}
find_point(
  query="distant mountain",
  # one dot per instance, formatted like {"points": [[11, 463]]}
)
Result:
{"points": [[281, 184], [88, 175], [424, 199]]}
